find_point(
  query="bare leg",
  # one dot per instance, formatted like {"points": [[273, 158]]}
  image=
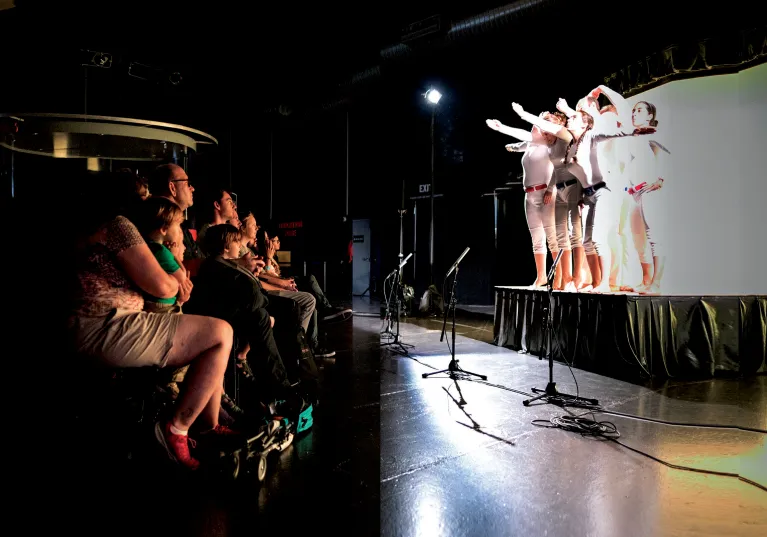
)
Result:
{"points": [[205, 344], [540, 269], [659, 263], [558, 271], [564, 264], [647, 274], [604, 269], [593, 261], [579, 274], [242, 354]]}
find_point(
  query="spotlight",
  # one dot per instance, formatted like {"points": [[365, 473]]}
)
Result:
{"points": [[433, 96], [91, 58], [175, 78]]}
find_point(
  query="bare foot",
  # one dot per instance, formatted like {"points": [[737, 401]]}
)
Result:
{"points": [[601, 288], [652, 289]]}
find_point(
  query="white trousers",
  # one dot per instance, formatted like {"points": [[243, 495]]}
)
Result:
{"points": [[645, 226], [540, 222], [601, 213], [567, 217]]}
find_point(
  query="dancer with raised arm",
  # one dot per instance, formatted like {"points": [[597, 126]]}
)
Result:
{"points": [[611, 162], [567, 215], [538, 182], [600, 222]]}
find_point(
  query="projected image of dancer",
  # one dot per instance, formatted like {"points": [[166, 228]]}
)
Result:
{"points": [[537, 181], [600, 235], [644, 174], [642, 158]]}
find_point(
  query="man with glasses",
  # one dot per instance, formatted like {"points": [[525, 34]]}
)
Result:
{"points": [[170, 181]]}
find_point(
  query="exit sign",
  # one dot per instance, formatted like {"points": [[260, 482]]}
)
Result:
{"points": [[424, 189]]}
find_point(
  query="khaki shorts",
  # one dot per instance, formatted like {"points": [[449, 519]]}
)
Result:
{"points": [[126, 338]]}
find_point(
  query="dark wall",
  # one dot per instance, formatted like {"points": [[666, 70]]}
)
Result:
{"points": [[293, 167]]}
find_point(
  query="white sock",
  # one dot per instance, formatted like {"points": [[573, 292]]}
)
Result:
{"points": [[178, 431]]}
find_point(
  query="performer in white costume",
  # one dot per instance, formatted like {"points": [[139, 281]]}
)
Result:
{"points": [[643, 158], [537, 181], [600, 215], [567, 216]]}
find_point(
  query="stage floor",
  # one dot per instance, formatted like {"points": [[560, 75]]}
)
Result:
{"points": [[439, 476]]}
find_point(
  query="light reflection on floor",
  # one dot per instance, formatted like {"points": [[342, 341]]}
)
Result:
{"points": [[443, 475]]}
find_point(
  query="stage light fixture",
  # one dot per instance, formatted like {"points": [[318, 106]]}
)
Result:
{"points": [[175, 78], [92, 58], [433, 96]]}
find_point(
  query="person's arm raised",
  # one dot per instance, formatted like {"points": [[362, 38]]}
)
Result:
{"points": [[547, 126], [519, 134]]}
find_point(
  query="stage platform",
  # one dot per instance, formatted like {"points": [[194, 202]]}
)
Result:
{"points": [[625, 335]]}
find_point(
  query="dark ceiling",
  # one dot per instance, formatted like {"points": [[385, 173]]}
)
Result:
{"points": [[246, 56], [279, 52]]}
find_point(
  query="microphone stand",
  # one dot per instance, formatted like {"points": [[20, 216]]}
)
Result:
{"points": [[453, 370], [397, 346], [548, 337]]}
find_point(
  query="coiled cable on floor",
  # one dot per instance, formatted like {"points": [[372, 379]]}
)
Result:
{"points": [[608, 431], [581, 425]]}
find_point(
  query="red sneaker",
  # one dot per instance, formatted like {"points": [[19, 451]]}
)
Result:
{"points": [[176, 445], [222, 430]]}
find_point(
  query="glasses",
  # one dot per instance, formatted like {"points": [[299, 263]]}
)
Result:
{"points": [[181, 181]]}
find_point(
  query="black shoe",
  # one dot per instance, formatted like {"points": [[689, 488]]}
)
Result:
{"points": [[323, 353], [231, 407], [336, 314], [244, 368]]}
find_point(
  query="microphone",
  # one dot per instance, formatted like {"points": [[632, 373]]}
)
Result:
{"points": [[455, 265], [554, 266], [402, 264]]}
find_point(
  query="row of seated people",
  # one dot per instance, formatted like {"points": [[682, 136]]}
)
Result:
{"points": [[137, 269]]}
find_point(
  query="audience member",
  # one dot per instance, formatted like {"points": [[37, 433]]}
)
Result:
{"points": [[107, 324]]}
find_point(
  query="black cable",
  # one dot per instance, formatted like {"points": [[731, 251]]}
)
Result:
{"points": [[499, 386], [608, 431], [675, 423], [556, 340]]}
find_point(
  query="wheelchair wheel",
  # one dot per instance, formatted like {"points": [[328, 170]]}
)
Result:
{"points": [[261, 469]]}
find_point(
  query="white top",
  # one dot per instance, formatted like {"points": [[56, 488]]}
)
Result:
{"points": [[558, 157], [586, 166], [536, 165], [644, 159]]}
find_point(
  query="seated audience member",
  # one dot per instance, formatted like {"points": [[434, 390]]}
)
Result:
{"points": [[286, 288], [226, 290], [327, 311], [115, 267], [220, 209], [171, 182], [159, 222]]}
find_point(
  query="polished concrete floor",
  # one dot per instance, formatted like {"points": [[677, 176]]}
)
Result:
{"points": [[486, 470], [391, 453]]}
